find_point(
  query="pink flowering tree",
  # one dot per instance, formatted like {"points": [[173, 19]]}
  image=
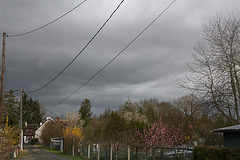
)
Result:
{"points": [[159, 134]]}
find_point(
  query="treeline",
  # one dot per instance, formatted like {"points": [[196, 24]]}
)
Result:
{"points": [[187, 113], [142, 125], [33, 113]]}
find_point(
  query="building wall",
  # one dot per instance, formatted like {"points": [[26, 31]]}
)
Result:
{"points": [[231, 139], [38, 132]]}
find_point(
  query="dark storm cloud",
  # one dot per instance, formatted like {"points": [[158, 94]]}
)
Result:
{"points": [[147, 69]]}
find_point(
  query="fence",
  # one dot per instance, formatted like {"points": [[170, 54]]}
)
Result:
{"points": [[173, 153], [127, 153], [57, 143]]}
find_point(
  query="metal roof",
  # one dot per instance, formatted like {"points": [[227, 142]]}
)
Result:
{"points": [[235, 128]]}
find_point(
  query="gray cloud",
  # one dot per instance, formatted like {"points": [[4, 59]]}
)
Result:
{"points": [[147, 69]]}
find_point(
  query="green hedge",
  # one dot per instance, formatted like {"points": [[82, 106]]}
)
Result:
{"points": [[34, 141], [216, 153]]}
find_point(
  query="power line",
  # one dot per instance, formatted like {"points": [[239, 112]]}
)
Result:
{"points": [[51, 112], [79, 52], [115, 56], [34, 30], [32, 98]]}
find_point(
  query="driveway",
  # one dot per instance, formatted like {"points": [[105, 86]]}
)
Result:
{"points": [[39, 154]]}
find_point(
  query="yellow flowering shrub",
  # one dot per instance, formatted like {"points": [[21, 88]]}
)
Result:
{"points": [[72, 137], [76, 132], [9, 138]]}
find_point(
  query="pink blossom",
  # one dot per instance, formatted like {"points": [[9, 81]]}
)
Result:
{"points": [[159, 134]]}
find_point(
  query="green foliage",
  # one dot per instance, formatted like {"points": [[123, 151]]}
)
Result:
{"points": [[153, 110], [34, 141], [85, 111], [94, 130], [149, 108], [120, 126], [215, 153], [128, 106], [131, 137], [10, 109], [33, 110], [111, 127], [115, 127], [51, 130]]}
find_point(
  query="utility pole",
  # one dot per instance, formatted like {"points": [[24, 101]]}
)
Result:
{"points": [[2, 75], [20, 126]]}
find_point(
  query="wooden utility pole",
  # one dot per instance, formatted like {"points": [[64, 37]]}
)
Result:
{"points": [[20, 125], [2, 75]]}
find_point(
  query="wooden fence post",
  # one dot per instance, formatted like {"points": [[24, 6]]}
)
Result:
{"points": [[73, 147], [89, 151], [129, 154], [98, 151], [111, 152]]}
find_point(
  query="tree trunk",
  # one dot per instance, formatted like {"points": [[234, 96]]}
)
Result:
{"points": [[136, 153]]}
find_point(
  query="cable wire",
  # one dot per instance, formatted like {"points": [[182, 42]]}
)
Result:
{"points": [[51, 112], [115, 56], [34, 30], [80, 51]]}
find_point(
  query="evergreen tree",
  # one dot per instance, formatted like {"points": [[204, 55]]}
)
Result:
{"points": [[32, 110], [10, 108], [85, 110]]}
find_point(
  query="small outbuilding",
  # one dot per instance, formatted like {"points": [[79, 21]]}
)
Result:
{"points": [[231, 135]]}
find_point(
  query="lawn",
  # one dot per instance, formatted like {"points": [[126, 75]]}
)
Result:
{"points": [[22, 153]]}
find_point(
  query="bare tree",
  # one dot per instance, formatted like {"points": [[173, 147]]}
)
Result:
{"points": [[215, 69], [190, 105], [74, 120]]}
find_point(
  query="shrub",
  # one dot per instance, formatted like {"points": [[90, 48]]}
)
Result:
{"points": [[9, 138], [34, 141], [51, 130], [72, 136], [216, 153]]}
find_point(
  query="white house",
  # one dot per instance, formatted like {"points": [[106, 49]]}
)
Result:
{"points": [[38, 132]]}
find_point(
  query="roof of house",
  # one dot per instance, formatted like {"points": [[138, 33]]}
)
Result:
{"points": [[41, 127], [235, 128]]}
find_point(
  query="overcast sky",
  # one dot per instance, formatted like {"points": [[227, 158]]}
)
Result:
{"points": [[147, 69]]}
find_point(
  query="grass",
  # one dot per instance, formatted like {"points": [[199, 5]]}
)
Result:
{"points": [[60, 153], [23, 153]]}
